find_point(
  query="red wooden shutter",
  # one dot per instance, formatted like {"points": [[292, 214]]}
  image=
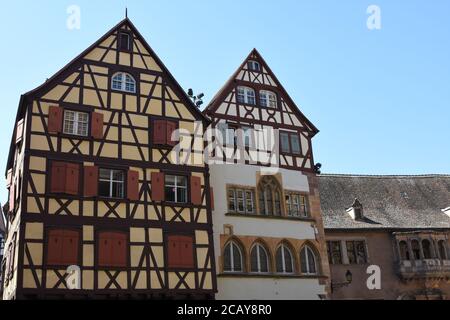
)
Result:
{"points": [[133, 185], [9, 178], [170, 128], [70, 240], [12, 197], [173, 251], [211, 197], [196, 190], [19, 131], [72, 178], [55, 247], [97, 125], [159, 132], [90, 181], [55, 119], [187, 252], [119, 250], [157, 186], [104, 249], [58, 177]]}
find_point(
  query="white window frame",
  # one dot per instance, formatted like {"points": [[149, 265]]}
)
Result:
{"points": [[125, 80], [176, 187], [111, 181], [251, 65], [245, 198], [283, 247], [269, 98], [234, 246], [246, 95], [258, 258], [77, 123], [308, 272]]}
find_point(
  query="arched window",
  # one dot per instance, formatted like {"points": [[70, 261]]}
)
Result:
{"points": [[122, 81], [404, 252], [308, 261], [442, 250], [415, 249], [426, 247], [232, 258], [267, 99], [259, 259], [284, 260], [269, 196], [246, 95]]}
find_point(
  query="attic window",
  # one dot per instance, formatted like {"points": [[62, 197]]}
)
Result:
{"points": [[356, 210], [125, 41], [253, 65]]}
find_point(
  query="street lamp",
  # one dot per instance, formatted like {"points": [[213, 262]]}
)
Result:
{"points": [[348, 280]]}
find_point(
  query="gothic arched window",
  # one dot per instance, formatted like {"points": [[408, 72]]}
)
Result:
{"points": [[269, 196]]}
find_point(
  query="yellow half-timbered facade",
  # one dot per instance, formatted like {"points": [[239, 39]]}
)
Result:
{"points": [[100, 204]]}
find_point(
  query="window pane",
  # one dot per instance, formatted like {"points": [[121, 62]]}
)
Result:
{"points": [[231, 200], [182, 195], [263, 260], [227, 258], [249, 201], [311, 262], [118, 175], [117, 189], [288, 260], [279, 260], [237, 259], [169, 193], [240, 200], [336, 252], [351, 252], [103, 188], [181, 181], [254, 260], [170, 180], [105, 174], [284, 141], [304, 265], [295, 143]]}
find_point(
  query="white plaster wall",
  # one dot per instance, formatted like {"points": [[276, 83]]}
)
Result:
{"points": [[268, 289]]}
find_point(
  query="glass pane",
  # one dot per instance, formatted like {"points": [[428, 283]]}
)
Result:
{"points": [[237, 259], [288, 260], [284, 141], [231, 200], [263, 260], [336, 252], [269, 204], [182, 195], [360, 252], [170, 180], [182, 181], [105, 174], [169, 193], [240, 200], [118, 175], [254, 260], [227, 258], [249, 201], [351, 252], [103, 188], [279, 260], [303, 261], [311, 262], [117, 190], [295, 143]]}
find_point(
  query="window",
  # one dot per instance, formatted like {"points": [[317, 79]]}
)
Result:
{"points": [[125, 41], [232, 258], [308, 261], [415, 249], [175, 188], [284, 261], [426, 247], [241, 200], [290, 143], [246, 95], [180, 251], [334, 252], [112, 249], [442, 249], [62, 247], [404, 252], [254, 65], [228, 136], [259, 259], [269, 196], [267, 99], [122, 81], [297, 205], [76, 123], [247, 136], [111, 183], [356, 252]]}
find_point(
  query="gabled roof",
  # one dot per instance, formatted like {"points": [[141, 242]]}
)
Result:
{"points": [[220, 95], [390, 202], [27, 97]]}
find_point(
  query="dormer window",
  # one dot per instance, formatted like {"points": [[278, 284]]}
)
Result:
{"points": [[254, 65], [246, 95], [267, 99], [125, 41], [356, 210], [122, 81], [446, 211]]}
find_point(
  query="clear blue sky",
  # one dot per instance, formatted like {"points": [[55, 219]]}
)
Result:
{"points": [[381, 99]]}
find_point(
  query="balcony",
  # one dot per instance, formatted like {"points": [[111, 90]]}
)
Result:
{"points": [[424, 269]]}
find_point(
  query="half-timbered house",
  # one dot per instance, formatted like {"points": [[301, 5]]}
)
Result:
{"points": [[94, 182], [268, 232]]}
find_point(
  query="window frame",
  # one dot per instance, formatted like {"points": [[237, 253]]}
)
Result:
{"points": [[129, 47], [331, 252], [265, 95], [283, 247], [302, 213], [232, 245], [186, 188], [245, 190], [258, 247], [290, 135], [123, 82], [111, 181], [251, 64], [269, 183], [76, 122], [246, 95], [308, 249], [354, 244]]}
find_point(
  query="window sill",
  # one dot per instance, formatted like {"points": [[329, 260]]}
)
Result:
{"points": [[259, 216]]}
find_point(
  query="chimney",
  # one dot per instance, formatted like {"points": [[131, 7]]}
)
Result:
{"points": [[356, 210]]}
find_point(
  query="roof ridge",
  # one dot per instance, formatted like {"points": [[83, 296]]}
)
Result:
{"points": [[393, 176]]}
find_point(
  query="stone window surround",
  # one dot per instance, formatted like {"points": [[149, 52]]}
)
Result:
{"points": [[344, 256], [434, 239]]}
